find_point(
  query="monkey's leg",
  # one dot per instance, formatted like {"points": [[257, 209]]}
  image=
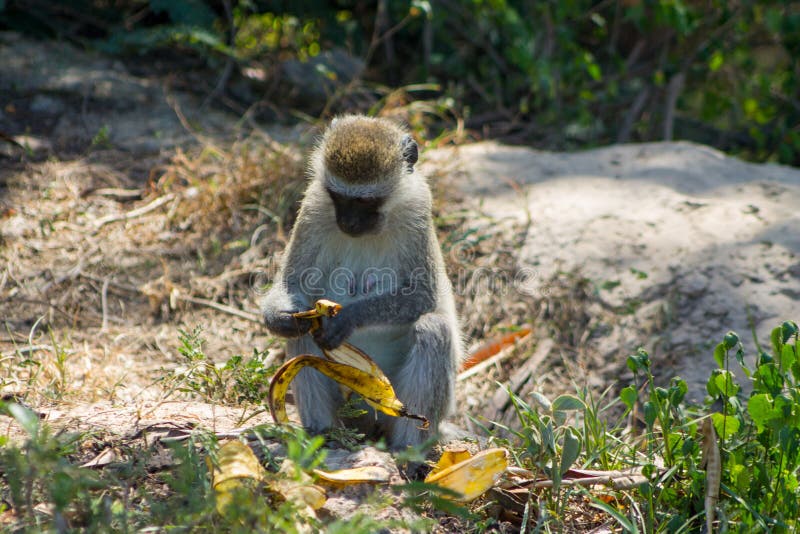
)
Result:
{"points": [[426, 381], [317, 397]]}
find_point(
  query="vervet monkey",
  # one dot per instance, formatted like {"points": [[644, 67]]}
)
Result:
{"points": [[364, 238]]}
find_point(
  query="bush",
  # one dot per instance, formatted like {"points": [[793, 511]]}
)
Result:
{"points": [[558, 74]]}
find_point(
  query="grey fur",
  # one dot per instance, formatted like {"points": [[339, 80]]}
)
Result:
{"points": [[397, 300]]}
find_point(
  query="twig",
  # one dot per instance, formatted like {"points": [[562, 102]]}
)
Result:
{"points": [[36, 301], [114, 192], [250, 316], [133, 214], [104, 303]]}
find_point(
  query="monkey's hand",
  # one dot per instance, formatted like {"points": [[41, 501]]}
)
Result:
{"points": [[334, 330], [284, 324]]}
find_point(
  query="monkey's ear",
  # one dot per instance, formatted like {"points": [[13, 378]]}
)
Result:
{"points": [[410, 151]]}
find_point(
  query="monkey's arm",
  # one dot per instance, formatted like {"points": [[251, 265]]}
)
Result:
{"points": [[415, 297], [286, 297], [278, 309]]}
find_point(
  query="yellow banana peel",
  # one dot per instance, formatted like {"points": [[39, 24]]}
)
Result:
{"points": [[237, 470], [472, 477], [346, 364], [322, 308], [450, 456], [357, 475], [377, 391], [355, 357]]}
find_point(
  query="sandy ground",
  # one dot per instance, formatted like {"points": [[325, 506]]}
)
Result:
{"points": [[684, 241]]}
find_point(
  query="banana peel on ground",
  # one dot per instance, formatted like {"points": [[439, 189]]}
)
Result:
{"points": [[237, 474], [347, 365], [469, 476]]}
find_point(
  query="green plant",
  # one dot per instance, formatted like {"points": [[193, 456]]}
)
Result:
{"points": [[758, 429], [239, 380], [761, 435]]}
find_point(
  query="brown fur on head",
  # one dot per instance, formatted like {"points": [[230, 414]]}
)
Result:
{"points": [[363, 150]]}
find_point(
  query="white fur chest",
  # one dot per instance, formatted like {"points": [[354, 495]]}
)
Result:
{"points": [[353, 268]]}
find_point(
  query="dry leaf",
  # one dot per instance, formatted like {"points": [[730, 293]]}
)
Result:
{"points": [[494, 346]]}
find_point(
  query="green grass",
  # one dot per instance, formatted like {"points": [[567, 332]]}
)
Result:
{"points": [[44, 488]]}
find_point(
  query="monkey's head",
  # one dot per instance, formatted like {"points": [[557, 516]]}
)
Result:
{"points": [[364, 160]]}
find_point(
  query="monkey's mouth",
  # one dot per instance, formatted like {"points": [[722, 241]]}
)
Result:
{"points": [[358, 226], [357, 230]]}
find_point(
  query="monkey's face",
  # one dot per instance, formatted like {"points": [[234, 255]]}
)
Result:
{"points": [[356, 216]]}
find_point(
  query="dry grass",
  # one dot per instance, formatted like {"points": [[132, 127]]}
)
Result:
{"points": [[92, 296]]}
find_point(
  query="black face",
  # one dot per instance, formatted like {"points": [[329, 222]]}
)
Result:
{"points": [[357, 216]]}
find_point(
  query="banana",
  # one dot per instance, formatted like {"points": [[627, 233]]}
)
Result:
{"points": [[346, 364]]}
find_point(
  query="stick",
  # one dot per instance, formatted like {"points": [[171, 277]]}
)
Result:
{"points": [[133, 214], [250, 316], [104, 303]]}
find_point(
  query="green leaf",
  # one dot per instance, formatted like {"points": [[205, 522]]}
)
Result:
{"points": [[776, 337], [628, 396], [649, 414], [761, 410], [726, 383], [568, 402], [768, 378], [719, 354], [711, 384], [639, 361], [571, 449], [677, 391], [789, 329], [626, 524], [788, 357], [26, 418], [725, 425]]}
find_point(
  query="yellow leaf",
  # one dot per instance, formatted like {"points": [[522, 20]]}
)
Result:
{"points": [[450, 457], [472, 477], [376, 391], [355, 475]]}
